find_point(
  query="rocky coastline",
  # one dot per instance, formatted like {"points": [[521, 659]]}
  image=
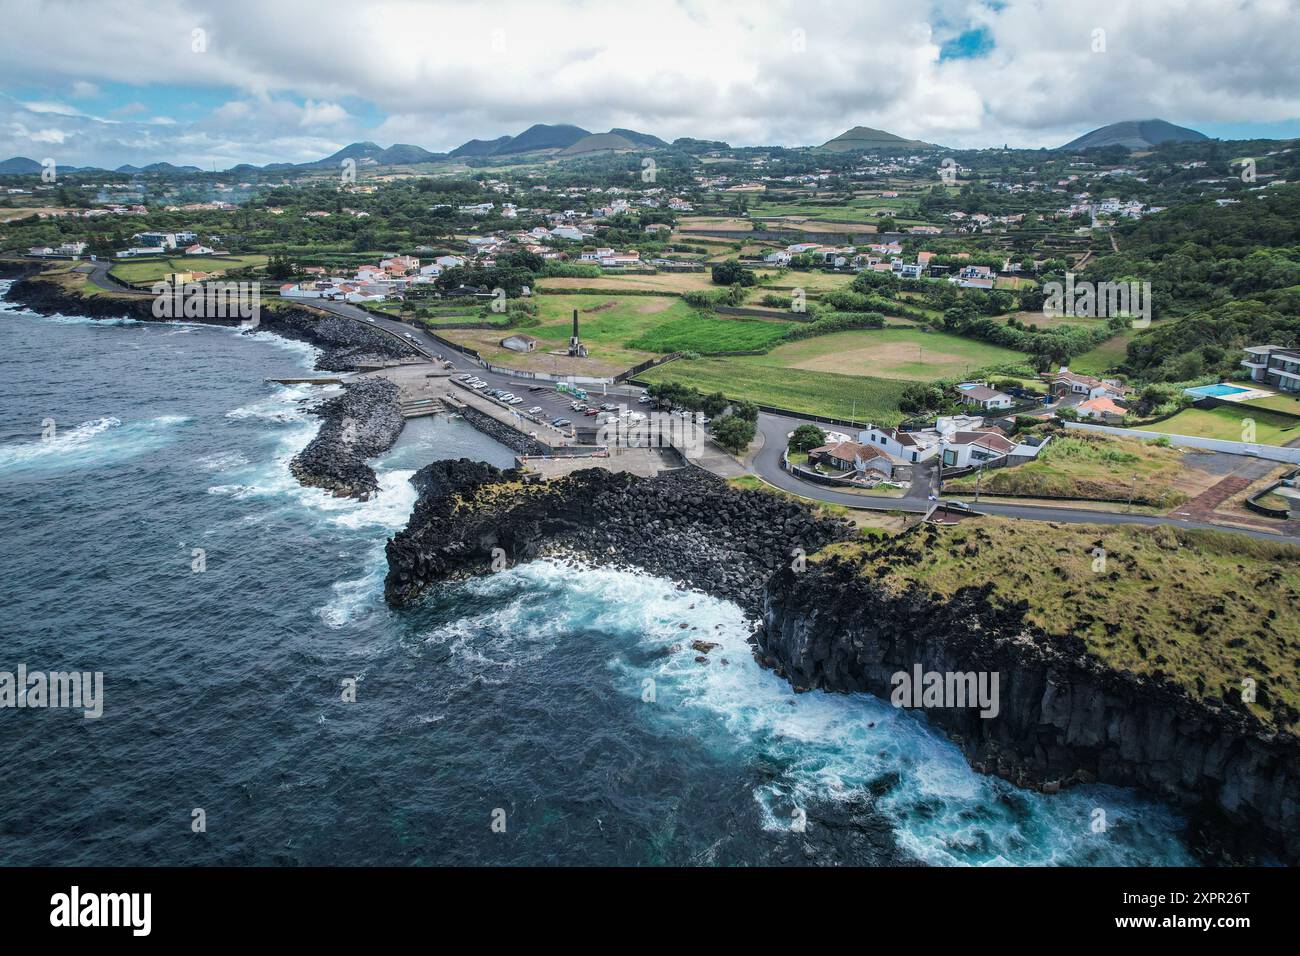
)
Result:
{"points": [[686, 525], [344, 345], [1065, 716], [361, 423]]}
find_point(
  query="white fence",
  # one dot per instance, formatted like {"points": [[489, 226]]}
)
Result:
{"points": [[1270, 452]]}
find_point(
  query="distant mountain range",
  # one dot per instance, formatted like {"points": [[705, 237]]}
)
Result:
{"points": [[866, 139], [565, 141], [1136, 134]]}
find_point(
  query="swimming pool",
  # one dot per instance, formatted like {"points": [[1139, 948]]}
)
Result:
{"points": [[1217, 391]]}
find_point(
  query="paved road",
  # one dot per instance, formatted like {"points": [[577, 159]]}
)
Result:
{"points": [[767, 464]]}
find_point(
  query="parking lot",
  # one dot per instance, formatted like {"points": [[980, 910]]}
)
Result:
{"points": [[550, 405]]}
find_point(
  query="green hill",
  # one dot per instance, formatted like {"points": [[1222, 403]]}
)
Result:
{"points": [[598, 143], [1136, 134], [866, 139]]}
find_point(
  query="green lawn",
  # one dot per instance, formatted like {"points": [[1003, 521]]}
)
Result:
{"points": [[1229, 424], [816, 393], [1278, 403], [155, 269]]}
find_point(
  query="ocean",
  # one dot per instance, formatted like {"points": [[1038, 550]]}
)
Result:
{"points": [[548, 714]]}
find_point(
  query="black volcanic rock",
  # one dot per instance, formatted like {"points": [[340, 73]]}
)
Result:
{"points": [[685, 525], [1064, 716], [361, 423]]}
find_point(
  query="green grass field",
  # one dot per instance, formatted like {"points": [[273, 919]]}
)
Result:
{"points": [[1229, 424], [1089, 466], [816, 393], [1101, 359], [706, 334], [894, 353], [156, 269]]}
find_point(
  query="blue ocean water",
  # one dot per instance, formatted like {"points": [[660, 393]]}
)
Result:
{"points": [[560, 700]]}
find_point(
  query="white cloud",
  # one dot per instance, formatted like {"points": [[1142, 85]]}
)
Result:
{"points": [[441, 72]]}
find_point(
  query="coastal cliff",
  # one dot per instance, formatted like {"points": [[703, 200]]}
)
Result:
{"points": [[1090, 688], [1065, 714]]}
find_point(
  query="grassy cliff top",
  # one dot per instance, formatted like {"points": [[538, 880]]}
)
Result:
{"points": [[1206, 609]]}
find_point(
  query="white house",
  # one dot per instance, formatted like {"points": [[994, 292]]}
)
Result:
{"points": [[905, 446], [981, 396]]}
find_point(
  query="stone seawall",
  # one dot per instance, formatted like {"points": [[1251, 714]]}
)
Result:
{"points": [[361, 423]]}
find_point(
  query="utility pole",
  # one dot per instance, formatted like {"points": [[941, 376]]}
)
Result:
{"points": [[978, 475], [1131, 492]]}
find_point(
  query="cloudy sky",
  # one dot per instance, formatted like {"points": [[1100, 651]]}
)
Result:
{"points": [[219, 83]]}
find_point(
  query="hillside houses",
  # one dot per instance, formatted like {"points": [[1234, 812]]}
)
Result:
{"points": [[1066, 383], [958, 441]]}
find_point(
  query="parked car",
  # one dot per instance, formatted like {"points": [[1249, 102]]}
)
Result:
{"points": [[480, 385], [609, 407], [516, 400], [561, 423], [591, 411], [464, 378], [644, 399], [534, 410]]}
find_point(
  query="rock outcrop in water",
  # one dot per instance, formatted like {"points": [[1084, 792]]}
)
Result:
{"points": [[1064, 716], [685, 525], [361, 423]]}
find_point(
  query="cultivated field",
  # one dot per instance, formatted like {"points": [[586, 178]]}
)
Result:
{"points": [[673, 283], [861, 398], [894, 353]]}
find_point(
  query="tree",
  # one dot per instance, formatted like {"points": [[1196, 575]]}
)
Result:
{"points": [[280, 267], [807, 437], [734, 433], [732, 272], [869, 282]]}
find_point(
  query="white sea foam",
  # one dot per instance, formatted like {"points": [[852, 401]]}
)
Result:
{"points": [[831, 747], [90, 444]]}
